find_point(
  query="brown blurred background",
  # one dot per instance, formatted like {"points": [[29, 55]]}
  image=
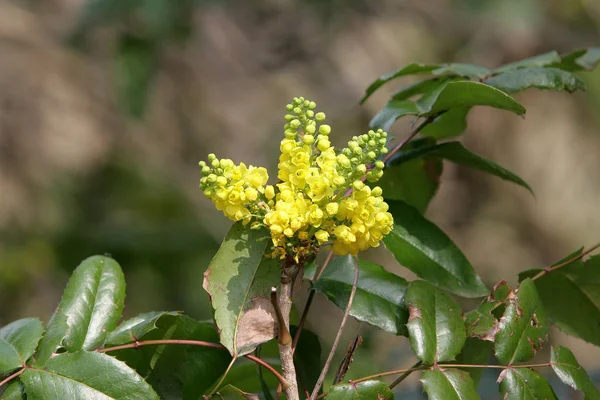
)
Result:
{"points": [[106, 107]]}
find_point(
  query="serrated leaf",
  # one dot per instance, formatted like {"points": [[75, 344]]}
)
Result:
{"points": [[456, 152], [450, 124], [569, 371], [541, 60], [178, 371], [577, 310], [90, 308], [239, 282], [375, 390], [414, 182], [469, 94], [231, 392], [449, 384], [525, 384], [466, 70], [136, 327], [14, 391], [85, 375], [18, 341], [410, 69], [422, 247], [539, 78], [481, 323], [523, 327], [475, 352], [379, 298], [393, 110], [435, 326], [579, 60]]}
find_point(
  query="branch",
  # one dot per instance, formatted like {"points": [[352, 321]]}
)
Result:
{"points": [[338, 336], [549, 269], [13, 376], [414, 133], [136, 345], [405, 375]]}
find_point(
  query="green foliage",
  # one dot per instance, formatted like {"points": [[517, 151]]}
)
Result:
{"points": [[364, 390], [18, 341], [571, 373], [450, 384], [525, 384], [539, 78]]}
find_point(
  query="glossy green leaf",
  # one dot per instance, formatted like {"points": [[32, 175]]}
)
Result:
{"points": [[393, 110], [135, 68], [379, 298], [414, 182], [435, 326], [580, 60], [577, 310], [239, 282], [18, 341], [525, 384], [410, 69], [469, 94], [523, 327], [481, 322], [450, 124], [466, 70], [85, 375], [14, 391], [420, 87], [231, 392], [136, 327], [569, 371], [475, 352], [449, 384], [539, 78], [90, 308], [178, 371], [307, 358], [422, 247], [541, 60], [456, 152], [367, 390]]}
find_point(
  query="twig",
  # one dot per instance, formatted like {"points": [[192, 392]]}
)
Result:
{"points": [[345, 364], [414, 133], [338, 336], [549, 269], [135, 345], [13, 376], [405, 375]]}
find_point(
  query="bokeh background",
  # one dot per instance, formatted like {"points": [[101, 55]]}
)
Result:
{"points": [[106, 107]]}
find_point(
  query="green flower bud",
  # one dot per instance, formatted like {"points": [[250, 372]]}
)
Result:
{"points": [[205, 170], [372, 143], [290, 134], [376, 191], [357, 150], [323, 144], [312, 105], [358, 185], [371, 177], [347, 152], [297, 110], [320, 116], [306, 103], [289, 117], [384, 150], [308, 139], [371, 155], [324, 129], [295, 123], [361, 169], [215, 163], [211, 157], [202, 164], [365, 138], [379, 164], [289, 107], [212, 178], [310, 129], [310, 113]]}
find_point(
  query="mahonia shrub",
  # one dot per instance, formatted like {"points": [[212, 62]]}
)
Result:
{"points": [[321, 196]]}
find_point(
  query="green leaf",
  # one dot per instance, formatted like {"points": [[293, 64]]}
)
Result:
{"points": [[469, 94], [379, 298], [523, 327], [362, 391], [525, 384], [456, 152], [393, 110], [135, 67], [178, 371], [481, 323], [230, 392], [420, 87], [435, 326], [136, 327], [541, 60], [239, 282], [577, 310], [571, 373], [539, 78], [85, 375], [14, 391], [466, 70], [410, 69], [423, 248], [580, 60], [449, 384], [475, 352], [307, 358], [447, 125], [414, 182], [18, 341], [90, 308]]}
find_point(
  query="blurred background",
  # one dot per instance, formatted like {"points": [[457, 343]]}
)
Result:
{"points": [[106, 107]]}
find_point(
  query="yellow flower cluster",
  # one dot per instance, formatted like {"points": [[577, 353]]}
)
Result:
{"points": [[321, 197]]}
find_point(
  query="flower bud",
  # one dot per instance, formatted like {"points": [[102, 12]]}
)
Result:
{"points": [[308, 139], [323, 144], [379, 164], [320, 116], [310, 129], [322, 236], [361, 169], [324, 129]]}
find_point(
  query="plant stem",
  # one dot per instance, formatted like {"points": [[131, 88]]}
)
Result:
{"points": [[405, 375], [135, 345], [286, 353], [414, 133], [338, 336], [13, 376], [549, 269]]}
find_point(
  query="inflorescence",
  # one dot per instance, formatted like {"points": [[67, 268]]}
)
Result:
{"points": [[321, 197]]}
